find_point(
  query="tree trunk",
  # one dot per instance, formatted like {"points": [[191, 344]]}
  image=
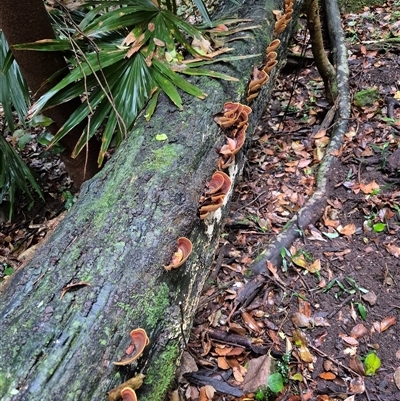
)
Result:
{"points": [[117, 237], [28, 21]]}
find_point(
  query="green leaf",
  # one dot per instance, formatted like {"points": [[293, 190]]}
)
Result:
{"points": [[362, 310], [372, 363], [178, 81], [168, 88], [41, 120], [8, 271], [275, 382], [161, 137], [151, 105], [297, 377], [45, 45], [23, 140], [208, 73], [379, 227]]}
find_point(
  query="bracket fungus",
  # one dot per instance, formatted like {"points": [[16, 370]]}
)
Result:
{"points": [[211, 201], [128, 394], [234, 121], [139, 341], [273, 46], [282, 22], [185, 247]]}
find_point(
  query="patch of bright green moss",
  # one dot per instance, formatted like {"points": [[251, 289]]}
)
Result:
{"points": [[366, 97], [162, 158], [160, 375], [151, 305]]}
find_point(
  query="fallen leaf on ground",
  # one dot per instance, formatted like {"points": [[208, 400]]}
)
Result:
{"points": [[327, 376], [257, 373], [393, 250], [358, 331], [369, 188], [348, 230], [387, 322]]}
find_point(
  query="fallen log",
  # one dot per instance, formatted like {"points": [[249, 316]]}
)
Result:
{"points": [[67, 315]]}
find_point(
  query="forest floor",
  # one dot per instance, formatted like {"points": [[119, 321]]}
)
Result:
{"points": [[326, 326]]}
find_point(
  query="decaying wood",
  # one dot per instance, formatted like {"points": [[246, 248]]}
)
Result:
{"points": [[117, 238]]}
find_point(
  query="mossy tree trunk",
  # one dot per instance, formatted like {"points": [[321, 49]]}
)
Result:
{"points": [[117, 237]]}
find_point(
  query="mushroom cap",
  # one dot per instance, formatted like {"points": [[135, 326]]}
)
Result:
{"points": [[128, 394], [139, 341], [185, 247], [273, 46]]}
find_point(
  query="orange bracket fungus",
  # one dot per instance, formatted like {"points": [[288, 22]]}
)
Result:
{"points": [[273, 46], [179, 257], [234, 121], [133, 383], [128, 394], [139, 341], [215, 193]]}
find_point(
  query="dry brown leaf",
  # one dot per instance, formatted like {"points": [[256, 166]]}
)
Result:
{"points": [[347, 230], [369, 188], [357, 385], [358, 331], [300, 320], [223, 351], [74, 286], [305, 354], [222, 363], [387, 322], [257, 374], [250, 323], [357, 365], [315, 266], [327, 376], [300, 261], [349, 340], [273, 270], [393, 250]]}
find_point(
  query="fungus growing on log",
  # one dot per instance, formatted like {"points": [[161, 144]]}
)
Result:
{"points": [[128, 394], [273, 46], [185, 247], [210, 202], [139, 341]]}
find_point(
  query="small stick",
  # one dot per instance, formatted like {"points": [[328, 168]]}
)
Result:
{"points": [[181, 325], [333, 360]]}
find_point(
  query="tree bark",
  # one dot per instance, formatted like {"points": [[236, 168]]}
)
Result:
{"points": [[117, 238], [27, 21], [325, 68]]}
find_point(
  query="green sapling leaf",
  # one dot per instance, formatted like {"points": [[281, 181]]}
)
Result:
{"points": [[372, 363]]}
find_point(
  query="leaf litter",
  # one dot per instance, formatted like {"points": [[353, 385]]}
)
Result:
{"points": [[332, 307]]}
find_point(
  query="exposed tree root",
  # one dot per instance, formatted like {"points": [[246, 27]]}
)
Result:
{"points": [[325, 68], [314, 207]]}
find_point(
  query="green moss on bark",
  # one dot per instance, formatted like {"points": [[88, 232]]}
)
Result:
{"points": [[161, 374]]}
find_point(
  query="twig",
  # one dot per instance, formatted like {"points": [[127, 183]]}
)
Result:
{"points": [[335, 361], [335, 310]]}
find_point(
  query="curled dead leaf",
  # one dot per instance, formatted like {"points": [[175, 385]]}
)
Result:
{"points": [[358, 331], [327, 376], [387, 322]]}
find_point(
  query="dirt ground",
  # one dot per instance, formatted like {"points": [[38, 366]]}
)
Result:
{"points": [[334, 303], [325, 326]]}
